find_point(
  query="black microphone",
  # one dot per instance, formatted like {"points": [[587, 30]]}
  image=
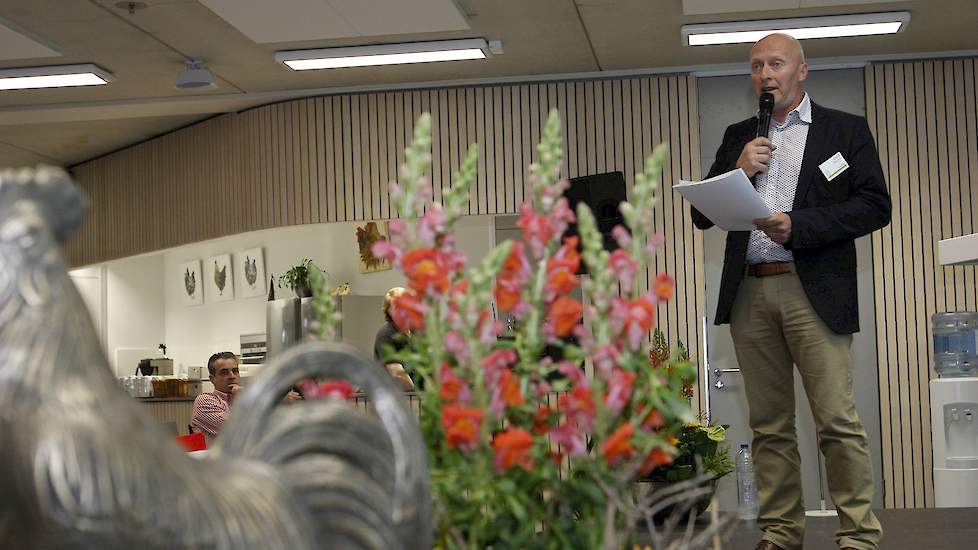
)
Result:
{"points": [[765, 104]]}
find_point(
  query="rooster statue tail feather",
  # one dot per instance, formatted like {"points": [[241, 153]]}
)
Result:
{"points": [[83, 466]]}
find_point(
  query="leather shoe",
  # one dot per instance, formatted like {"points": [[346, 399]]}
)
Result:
{"points": [[767, 545]]}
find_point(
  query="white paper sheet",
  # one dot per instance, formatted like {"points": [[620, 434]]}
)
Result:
{"points": [[729, 200]]}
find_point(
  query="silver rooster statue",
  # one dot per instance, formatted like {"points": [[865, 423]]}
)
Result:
{"points": [[83, 466]]}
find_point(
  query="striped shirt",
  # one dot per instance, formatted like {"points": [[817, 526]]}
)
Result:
{"points": [[211, 409], [777, 186]]}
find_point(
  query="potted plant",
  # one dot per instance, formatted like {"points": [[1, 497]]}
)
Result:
{"points": [[700, 449], [525, 451], [297, 278]]}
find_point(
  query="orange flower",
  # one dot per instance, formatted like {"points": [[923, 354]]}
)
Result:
{"points": [[619, 445], [516, 263], [541, 419], [656, 458], [511, 389], [461, 426], [425, 270], [512, 448], [561, 281], [408, 312], [508, 292], [654, 420], [565, 312], [451, 387], [664, 287]]}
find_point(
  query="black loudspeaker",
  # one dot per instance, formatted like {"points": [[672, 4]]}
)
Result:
{"points": [[602, 193]]}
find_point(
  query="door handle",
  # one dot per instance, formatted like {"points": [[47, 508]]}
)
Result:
{"points": [[718, 373]]}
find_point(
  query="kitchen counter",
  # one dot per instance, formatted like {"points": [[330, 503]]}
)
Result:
{"points": [[163, 399]]}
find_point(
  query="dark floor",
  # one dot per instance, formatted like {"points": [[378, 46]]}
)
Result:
{"points": [[903, 529]]}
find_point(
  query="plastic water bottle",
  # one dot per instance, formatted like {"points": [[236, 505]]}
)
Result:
{"points": [[746, 490]]}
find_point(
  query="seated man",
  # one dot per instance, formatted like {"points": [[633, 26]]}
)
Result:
{"points": [[211, 409], [389, 336]]}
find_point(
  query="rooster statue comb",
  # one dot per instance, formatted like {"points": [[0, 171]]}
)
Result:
{"points": [[83, 466]]}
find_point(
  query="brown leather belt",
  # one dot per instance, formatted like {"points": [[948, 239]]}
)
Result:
{"points": [[770, 268]]}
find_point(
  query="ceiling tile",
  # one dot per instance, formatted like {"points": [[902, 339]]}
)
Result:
{"points": [[17, 44], [706, 7], [401, 16], [283, 20]]}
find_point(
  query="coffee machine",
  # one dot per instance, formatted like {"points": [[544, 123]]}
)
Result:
{"points": [[155, 367]]}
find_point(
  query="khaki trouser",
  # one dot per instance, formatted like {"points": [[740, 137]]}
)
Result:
{"points": [[774, 326]]}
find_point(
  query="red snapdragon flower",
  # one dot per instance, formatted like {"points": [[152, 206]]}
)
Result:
{"points": [[408, 312], [657, 457], [426, 270], [461, 426], [506, 392], [508, 292], [512, 448], [451, 388], [653, 420], [562, 268], [564, 313], [541, 419], [334, 389], [537, 230], [664, 287], [619, 445]]}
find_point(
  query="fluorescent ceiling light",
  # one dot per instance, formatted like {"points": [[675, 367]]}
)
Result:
{"points": [[802, 28], [385, 54], [53, 77]]}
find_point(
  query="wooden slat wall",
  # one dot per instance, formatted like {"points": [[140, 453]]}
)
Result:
{"points": [[329, 159], [923, 115]]}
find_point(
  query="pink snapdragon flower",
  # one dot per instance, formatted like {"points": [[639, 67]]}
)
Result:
{"points": [[624, 268], [619, 390], [570, 438], [633, 318]]}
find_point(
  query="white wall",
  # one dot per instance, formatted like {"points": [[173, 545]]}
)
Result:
{"points": [[90, 282], [135, 310], [144, 292]]}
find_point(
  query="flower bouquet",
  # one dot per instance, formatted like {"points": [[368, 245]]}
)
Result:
{"points": [[525, 451]]}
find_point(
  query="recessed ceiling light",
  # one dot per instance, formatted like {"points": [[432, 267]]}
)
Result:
{"points": [[53, 77], [387, 54], [802, 28]]}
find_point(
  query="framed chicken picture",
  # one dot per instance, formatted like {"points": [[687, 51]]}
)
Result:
{"points": [[367, 235], [249, 271], [191, 284], [220, 279]]}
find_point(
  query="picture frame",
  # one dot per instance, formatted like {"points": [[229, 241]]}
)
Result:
{"points": [[366, 235], [220, 278], [249, 273], [192, 284]]}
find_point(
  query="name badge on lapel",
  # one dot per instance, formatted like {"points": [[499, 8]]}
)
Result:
{"points": [[834, 166]]}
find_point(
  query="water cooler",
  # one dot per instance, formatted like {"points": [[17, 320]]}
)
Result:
{"points": [[954, 409]]}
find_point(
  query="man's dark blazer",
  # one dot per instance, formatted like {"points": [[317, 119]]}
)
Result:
{"points": [[826, 216]]}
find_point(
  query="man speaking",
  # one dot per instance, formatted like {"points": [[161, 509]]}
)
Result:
{"points": [[788, 291]]}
